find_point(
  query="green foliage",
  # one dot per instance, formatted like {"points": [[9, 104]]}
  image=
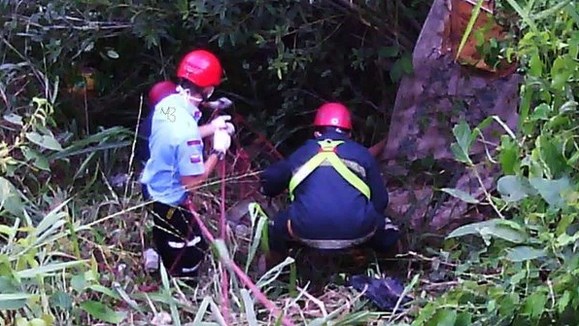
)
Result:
{"points": [[68, 68], [37, 280], [526, 269], [57, 208], [281, 60]]}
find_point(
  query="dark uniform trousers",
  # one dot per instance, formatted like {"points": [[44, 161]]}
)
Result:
{"points": [[280, 239], [178, 239]]}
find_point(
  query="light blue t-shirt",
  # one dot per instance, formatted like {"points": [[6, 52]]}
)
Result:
{"points": [[176, 149]]}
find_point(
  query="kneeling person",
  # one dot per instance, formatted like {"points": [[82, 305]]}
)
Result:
{"points": [[336, 190]]}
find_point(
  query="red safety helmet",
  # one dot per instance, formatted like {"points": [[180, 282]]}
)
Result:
{"points": [[161, 90], [200, 67], [333, 114]]}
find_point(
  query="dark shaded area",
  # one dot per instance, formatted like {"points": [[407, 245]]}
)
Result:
{"points": [[330, 51], [383, 292]]}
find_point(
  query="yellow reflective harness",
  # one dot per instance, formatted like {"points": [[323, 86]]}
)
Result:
{"points": [[328, 152]]}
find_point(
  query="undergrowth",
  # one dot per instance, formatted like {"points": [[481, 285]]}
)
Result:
{"points": [[72, 235], [522, 267], [72, 256]]}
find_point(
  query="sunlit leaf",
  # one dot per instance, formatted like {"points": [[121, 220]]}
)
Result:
{"points": [[61, 300], [46, 141], [202, 310], [10, 199], [524, 253], [534, 305], [13, 118], [48, 269], [112, 54], [248, 305], [256, 215], [38, 160], [462, 195], [102, 312], [444, 317], [564, 301], [513, 188], [509, 155], [13, 301], [494, 228], [552, 190]]}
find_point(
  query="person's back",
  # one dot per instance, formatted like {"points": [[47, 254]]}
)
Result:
{"points": [[327, 206], [336, 189]]}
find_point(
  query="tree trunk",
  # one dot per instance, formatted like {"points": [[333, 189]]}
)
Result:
{"points": [[429, 103]]}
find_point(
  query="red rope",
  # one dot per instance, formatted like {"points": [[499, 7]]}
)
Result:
{"points": [[228, 262], [240, 274]]}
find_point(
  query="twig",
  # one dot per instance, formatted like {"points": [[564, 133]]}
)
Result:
{"points": [[222, 223], [134, 146], [223, 235], [486, 192], [430, 259], [240, 274], [551, 293], [88, 25], [432, 285], [317, 301]]}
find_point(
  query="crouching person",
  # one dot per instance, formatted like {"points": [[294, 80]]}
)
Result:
{"points": [[176, 165], [336, 190]]}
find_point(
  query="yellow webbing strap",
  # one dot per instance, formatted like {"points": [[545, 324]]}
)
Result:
{"points": [[170, 213], [327, 153]]}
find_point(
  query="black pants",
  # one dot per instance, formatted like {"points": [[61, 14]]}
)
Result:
{"points": [[145, 192], [178, 240], [280, 240]]}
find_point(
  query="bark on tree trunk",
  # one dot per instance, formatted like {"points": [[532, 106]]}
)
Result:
{"points": [[429, 103]]}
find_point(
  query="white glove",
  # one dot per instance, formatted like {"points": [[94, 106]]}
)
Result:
{"points": [[221, 141], [220, 122], [230, 128]]}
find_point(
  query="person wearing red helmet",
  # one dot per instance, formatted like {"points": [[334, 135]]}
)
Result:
{"points": [[159, 91], [176, 164], [338, 197]]}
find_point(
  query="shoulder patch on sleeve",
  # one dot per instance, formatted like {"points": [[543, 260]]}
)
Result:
{"points": [[193, 142], [195, 159]]}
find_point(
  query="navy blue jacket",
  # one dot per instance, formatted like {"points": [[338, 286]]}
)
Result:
{"points": [[326, 206], [142, 153]]}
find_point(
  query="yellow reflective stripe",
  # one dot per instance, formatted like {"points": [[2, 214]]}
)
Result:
{"points": [[327, 154], [352, 178], [304, 171], [170, 213]]}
